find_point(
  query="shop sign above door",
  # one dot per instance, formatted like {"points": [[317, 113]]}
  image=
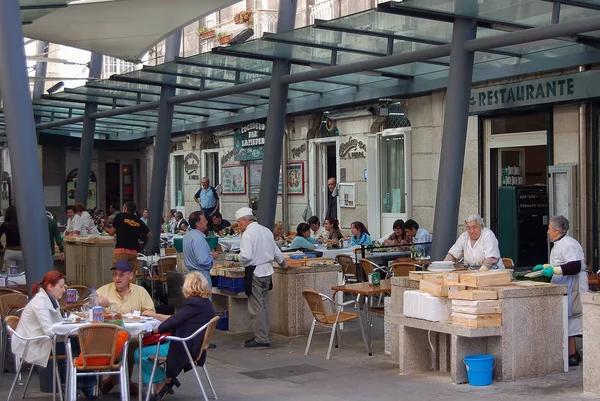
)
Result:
{"points": [[249, 141], [536, 91]]}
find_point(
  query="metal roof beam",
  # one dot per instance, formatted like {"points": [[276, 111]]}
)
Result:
{"points": [[326, 25], [576, 3]]}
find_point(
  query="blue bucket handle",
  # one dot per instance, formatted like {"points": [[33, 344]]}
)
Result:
{"points": [[479, 371]]}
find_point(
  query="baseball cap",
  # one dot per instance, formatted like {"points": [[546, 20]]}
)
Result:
{"points": [[122, 265], [243, 212]]}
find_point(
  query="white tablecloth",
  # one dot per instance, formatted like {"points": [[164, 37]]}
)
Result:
{"points": [[150, 259], [230, 243], [62, 329], [330, 253]]}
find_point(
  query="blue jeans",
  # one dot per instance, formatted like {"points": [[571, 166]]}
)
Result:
{"points": [[147, 352]]}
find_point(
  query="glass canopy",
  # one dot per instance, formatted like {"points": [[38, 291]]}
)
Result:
{"points": [[393, 28]]}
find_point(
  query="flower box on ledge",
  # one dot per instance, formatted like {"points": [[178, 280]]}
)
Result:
{"points": [[207, 34], [224, 39]]}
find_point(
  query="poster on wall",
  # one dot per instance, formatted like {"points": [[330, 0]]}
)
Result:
{"points": [[72, 189], [295, 178], [234, 179]]}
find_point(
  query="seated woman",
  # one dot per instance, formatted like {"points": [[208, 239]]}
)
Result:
{"points": [[37, 319], [278, 235], [196, 311], [360, 235], [398, 237], [332, 232], [303, 240]]}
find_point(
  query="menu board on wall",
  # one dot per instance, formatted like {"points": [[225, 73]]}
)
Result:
{"points": [[346, 195]]}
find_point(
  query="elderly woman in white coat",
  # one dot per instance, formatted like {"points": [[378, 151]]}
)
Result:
{"points": [[478, 245], [567, 267]]}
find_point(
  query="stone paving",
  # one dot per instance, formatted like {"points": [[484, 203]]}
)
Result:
{"points": [[282, 372]]}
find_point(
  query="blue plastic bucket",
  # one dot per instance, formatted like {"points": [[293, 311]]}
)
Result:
{"points": [[479, 369]]}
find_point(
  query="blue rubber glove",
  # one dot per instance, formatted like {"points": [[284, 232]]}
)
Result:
{"points": [[538, 267], [548, 271]]}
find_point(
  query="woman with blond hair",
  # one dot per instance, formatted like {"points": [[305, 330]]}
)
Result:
{"points": [[196, 311]]}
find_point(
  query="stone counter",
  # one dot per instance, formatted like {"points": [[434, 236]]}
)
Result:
{"points": [[591, 342], [288, 311], [532, 318]]}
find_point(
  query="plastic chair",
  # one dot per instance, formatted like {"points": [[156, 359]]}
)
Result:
{"points": [[9, 303], [323, 318], [348, 267], [21, 361], [97, 340], [210, 328], [508, 263]]}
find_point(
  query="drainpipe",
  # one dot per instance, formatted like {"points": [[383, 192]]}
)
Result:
{"points": [[583, 129], [284, 178]]}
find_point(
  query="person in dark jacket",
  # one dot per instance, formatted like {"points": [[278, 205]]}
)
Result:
{"points": [[196, 311]]}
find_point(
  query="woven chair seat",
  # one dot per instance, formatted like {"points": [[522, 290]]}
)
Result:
{"points": [[330, 319]]}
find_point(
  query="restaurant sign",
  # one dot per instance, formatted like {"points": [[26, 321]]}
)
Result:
{"points": [[248, 142], [535, 92]]}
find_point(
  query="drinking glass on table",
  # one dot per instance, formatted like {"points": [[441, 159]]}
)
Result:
{"points": [[114, 309]]}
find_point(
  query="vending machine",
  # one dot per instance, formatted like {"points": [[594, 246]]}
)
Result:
{"points": [[523, 224]]}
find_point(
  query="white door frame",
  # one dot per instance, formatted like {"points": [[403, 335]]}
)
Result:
{"points": [[172, 178], [203, 171], [374, 213], [516, 140], [313, 192]]}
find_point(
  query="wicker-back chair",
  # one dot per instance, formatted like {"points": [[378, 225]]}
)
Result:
{"points": [[96, 341], [321, 317], [401, 269], [209, 329], [348, 267], [9, 302]]}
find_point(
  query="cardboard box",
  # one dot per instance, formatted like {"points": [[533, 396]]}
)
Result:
{"points": [[474, 294], [438, 288], [485, 279], [477, 321]]}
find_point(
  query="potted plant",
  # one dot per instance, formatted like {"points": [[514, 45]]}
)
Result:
{"points": [[206, 33], [223, 37], [244, 17]]}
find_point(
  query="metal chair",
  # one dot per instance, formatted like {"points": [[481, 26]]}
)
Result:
{"points": [[323, 318], [401, 269], [97, 340], [20, 362], [9, 303], [348, 267], [210, 328]]}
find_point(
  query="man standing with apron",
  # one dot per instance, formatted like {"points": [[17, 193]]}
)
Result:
{"points": [[257, 251]]}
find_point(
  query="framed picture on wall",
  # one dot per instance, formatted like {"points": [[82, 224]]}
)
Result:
{"points": [[295, 178], [233, 179]]}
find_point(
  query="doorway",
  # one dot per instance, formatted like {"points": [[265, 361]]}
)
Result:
{"points": [[324, 164], [121, 182]]}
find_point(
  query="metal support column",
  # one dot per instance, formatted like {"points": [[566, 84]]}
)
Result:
{"points": [[269, 182], [22, 144], [453, 140], [86, 149], [40, 70], [162, 143]]}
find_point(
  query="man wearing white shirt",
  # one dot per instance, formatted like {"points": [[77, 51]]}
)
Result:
{"points": [[257, 251], [478, 245], [316, 229]]}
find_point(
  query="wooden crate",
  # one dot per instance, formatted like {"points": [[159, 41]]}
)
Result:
{"points": [[472, 295], [438, 288], [478, 321], [485, 279], [418, 276], [453, 278], [482, 307]]}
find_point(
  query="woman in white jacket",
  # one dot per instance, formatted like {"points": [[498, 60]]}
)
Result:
{"points": [[37, 319]]}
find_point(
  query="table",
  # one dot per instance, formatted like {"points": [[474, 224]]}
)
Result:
{"points": [[230, 243], [133, 328], [331, 253], [365, 292], [382, 258]]}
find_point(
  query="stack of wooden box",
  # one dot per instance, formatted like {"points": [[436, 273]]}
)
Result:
{"points": [[474, 303]]}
